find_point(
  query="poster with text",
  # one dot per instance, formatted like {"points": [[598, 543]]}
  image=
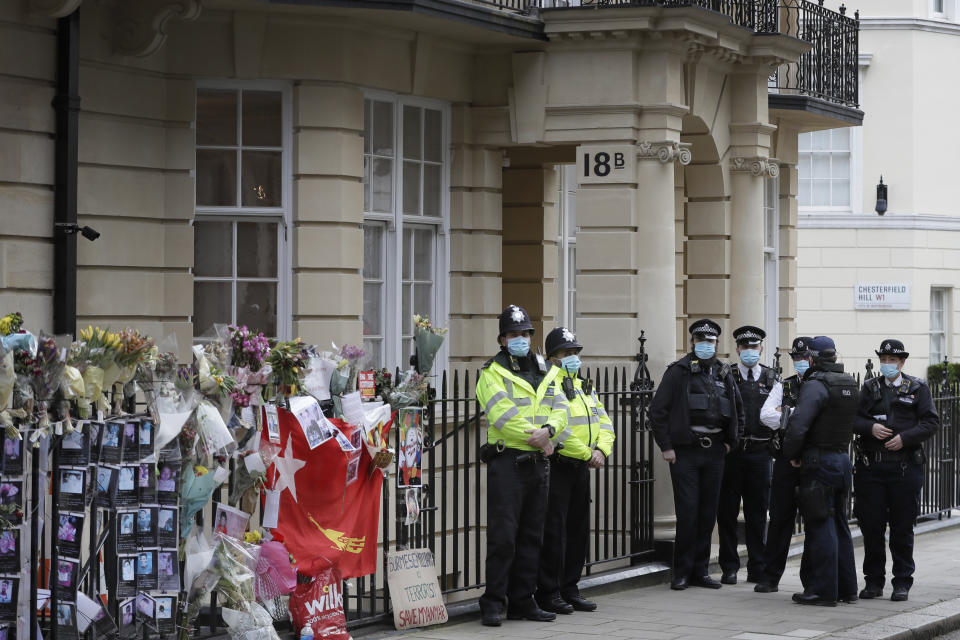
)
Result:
{"points": [[147, 527], [166, 613], [147, 569], [73, 489], [147, 482], [12, 456], [69, 534], [11, 497], [9, 596], [10, 551], [75, 448], [127, 490], [126, 532], [414, 589], [167, 526], [110, 448], [411, 447], [128, 441], [67, 621], [168, 570], [107, 478], [168, 482], [126, 576]]}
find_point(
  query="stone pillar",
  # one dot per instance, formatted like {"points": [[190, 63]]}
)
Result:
{"points": [[786, 152], [327, 238]]}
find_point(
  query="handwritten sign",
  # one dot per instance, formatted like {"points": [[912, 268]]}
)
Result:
{"points": [[367, 385], [414, 589], [881, 295]]}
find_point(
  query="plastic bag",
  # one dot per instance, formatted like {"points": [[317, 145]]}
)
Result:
{"points": [[320, 604]]}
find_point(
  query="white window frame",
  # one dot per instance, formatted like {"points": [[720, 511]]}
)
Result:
{"points": [[393, 237], [281, 215], [771, 266], [946, 293], [855, 179], [943, 12], [566, 282]]}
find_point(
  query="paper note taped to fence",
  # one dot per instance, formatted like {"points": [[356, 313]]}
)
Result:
{"points": [[414, 589]]}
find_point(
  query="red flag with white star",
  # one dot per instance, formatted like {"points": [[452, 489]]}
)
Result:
{"points": [[324, 520]]}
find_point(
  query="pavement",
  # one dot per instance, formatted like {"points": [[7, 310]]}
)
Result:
{"points": [[735, 612]]}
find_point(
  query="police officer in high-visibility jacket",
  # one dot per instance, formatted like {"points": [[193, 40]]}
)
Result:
{"points": [[568, 512], [520, 393]]}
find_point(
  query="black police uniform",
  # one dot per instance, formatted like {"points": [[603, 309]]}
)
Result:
{"points": [[819, 434], [746, 476], [703, 394], [888, 483]]}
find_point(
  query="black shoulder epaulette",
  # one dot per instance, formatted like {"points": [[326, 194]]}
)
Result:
{"points": [[488, 362], [724, 370], [769, 374]]}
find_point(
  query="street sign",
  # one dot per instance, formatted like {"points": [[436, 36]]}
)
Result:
{"points": [[881, 295]]}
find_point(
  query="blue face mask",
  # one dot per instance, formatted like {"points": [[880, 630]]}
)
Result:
{"points": [[704, 350], [519, 346], [749, 357], [801, 367], [889, 371], [570, 363]]}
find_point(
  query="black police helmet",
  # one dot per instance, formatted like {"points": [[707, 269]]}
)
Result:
{"points": [[799, 347], [561, 338], [892, 347], [515, 318], [749, 336]]}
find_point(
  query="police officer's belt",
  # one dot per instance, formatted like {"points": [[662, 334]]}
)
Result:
{"points": [[751, 444], [567, 461], [705, 440], [887, 456]]}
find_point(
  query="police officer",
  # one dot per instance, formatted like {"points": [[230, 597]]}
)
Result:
{"points": [[786, 477], [697, 417], [896, 416], [746, 471], [817, 440], [589, 444], [527, 411]]}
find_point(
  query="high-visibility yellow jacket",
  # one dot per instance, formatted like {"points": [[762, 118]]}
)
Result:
{"points": [[588, 422], [513, 406]]}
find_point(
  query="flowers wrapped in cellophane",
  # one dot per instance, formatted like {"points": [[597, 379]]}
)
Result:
{"points": [[412, 389], [428, 339], [249, 352], [288, 360], [94, 355], [44, 372]]}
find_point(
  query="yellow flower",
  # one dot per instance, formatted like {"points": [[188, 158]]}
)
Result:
{"points": [[201, 470], [252, 537]]}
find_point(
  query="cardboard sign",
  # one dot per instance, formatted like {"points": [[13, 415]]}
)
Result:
{"points": [[414, 589], [366, 385]]}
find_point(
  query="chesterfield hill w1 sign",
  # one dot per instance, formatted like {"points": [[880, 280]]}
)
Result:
{"points": [[414, 589], [881, 295]]}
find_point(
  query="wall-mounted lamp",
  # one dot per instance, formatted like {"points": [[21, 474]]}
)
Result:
{"points": [[72, 227], [881, 198]]}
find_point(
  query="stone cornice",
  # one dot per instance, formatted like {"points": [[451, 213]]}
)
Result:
{"points": [[896, 23], [757, 165], [920, 222], [665, 151]]}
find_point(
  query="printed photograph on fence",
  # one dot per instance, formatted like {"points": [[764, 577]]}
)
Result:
{"points": [[128, 441], [107, 478], [67, 571], [11, 496], [126, 495], [147, 482], [126, 576], [91, 612], [73, 489], [146, 607], [166, 614], [412, 500], [315, 426], [167, 527], [12, 456], [128, 621], [126, 532], [8, 631], [69, 535], [167, 485], [230, 521], [145, 438], [10, 551], [273, 422], [171, 452], [147, 570], [147, 527], [168, 570], [9, 596], [110, 450], [414, 589], [67, 621], [353, 466], [411, 447], [75, 448]]}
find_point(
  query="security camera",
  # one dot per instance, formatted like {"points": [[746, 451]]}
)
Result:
{"points": [[72, 227], [89, 234]]}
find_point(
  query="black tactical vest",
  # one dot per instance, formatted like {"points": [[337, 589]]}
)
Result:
{"points": [[791, 390], [883, 397], [708, 400], [833, 428], [754, 393]]}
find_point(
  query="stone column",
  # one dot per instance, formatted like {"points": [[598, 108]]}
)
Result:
{"points": [[786, 152]]}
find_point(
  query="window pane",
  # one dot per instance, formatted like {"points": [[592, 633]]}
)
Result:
{"points": [[841, 166], [216, 117], [821, 166], [423, 299], [213, 249], [257, 306], [256, 249], [211, 305], [381, 189], [262, 117], [407, 256], [216, 178], [841, 193], [411, 188], [841, 139], [374, 349], [432, 190], [366, 183], [372, 250], [261, 179], [406, 315], [411, 132], [804, 140], [432, 135], [803, 198], [423, 254], [821, 140], [367, 125], [382, 129], [821, 193], [372, 309]]}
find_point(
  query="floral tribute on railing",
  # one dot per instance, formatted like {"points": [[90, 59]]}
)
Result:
{"points": [[282, 425]]}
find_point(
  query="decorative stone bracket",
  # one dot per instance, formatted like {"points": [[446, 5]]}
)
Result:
{"points": [[756, 165], [666, 151]]}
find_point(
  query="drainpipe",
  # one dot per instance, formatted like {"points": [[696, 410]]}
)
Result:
{"points": [[66, 104]]}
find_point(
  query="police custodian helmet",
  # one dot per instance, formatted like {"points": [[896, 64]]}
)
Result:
{"points": [[799, 347], [561, 338], [892, 347], [515, 318]]}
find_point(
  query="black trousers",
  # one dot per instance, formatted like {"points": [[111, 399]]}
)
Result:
{"points": [[516, 506], [746, 477], [783, 520], [888, 492], [696, 477], [565, 531]]}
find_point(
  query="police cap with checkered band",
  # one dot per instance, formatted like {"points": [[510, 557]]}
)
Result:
{"points": [[749, 336], [561, 338], [705, 329]]}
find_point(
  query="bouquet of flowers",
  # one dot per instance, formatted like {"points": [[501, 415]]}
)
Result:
{"points": [[94, 355], [351, 356], [428, 340], [249, 353], [288, 362], [411, 390], [44, 372], [236, 564], [11, 323]]}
